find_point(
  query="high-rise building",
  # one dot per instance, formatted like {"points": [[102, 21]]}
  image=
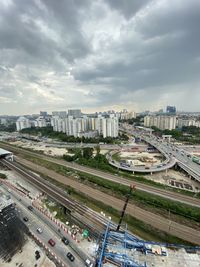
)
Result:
{"points": [[76, 113], [43, 113], [61, 114], [40, 122], [171, 109], [77, 126], [161, 122], [22, 123]]}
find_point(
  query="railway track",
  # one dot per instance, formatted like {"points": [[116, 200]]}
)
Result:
{"points": [[62, 197], [189, 200], [99, 221]]}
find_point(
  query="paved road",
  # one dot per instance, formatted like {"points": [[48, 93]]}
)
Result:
{"points": [[157, 221], [37, 219], [143, 187], [180, 155]]}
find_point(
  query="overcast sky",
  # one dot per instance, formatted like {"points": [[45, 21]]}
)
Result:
{"points": [[99, 55]]}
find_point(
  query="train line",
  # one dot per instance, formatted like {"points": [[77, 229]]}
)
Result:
{"points": [[157, 221], [192, 201], [62, 197]]}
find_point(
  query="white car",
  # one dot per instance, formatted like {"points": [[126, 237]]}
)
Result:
{"points": [[39, 230], [88, 263]]}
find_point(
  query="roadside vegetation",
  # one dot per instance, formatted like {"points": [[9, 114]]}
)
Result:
{"points": [[188, 134], [3, 176], [48, 132], [142, 199], [88, 157], [139, 228], [105, 167], [85, 156], [8, 128]]}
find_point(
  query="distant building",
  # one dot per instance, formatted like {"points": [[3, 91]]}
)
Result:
{"points": [[40, 122], [86, 126], [161, 122], [76, 113], [187, 121], [125, 115], [43, 113], [22, 123], [171, 109], [4, 121], [61, 114]]}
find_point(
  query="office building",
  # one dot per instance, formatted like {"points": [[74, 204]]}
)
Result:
{"points": [[171, 109]]}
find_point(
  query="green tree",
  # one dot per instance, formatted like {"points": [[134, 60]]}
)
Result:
{"points": [[98, 149], [87, 152]]}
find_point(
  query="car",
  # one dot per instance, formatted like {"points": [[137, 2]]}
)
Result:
{"points": [[70, 256], [65, 240], [30, 208], [39, 230], [51, 242], [25, 219], [88, 263]]}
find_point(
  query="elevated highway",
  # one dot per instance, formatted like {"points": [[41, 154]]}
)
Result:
{"points": [[173, 154]]}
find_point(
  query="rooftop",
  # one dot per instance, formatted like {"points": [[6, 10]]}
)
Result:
{"points": [[4, 152]]}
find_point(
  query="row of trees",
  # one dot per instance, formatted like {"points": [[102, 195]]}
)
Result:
{"points": [[189, 134], [48, 132], [86, 156], [9, 128]]}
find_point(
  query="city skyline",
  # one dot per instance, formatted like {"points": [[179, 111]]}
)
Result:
{"points": [[99, 55]]}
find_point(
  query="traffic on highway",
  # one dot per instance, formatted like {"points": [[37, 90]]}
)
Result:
{"points": [[43, 229]]}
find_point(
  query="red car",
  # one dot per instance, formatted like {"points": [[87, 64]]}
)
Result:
{"points": [[52, 242]]}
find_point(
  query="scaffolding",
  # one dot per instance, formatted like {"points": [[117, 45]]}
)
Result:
{"points": [[115, 247], [12, 230]]}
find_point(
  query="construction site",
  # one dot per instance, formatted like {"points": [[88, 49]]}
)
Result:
{"points": [[12, 231], [96, 240]]}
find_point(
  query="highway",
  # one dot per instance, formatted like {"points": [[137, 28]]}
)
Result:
{"points": [[157, 221], [181, 156], [49, 230], [118, 179]]}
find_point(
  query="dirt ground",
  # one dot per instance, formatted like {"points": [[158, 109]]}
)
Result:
{"points": [[48, 150], [21, 259], [166, 177]]}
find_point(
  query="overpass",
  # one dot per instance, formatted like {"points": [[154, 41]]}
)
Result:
{"points": [[174, 155]]}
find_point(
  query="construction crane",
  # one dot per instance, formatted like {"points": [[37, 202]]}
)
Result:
{"points": [[132, 187]]}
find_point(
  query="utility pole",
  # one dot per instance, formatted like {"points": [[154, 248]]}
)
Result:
{"points": [[125, 205]]}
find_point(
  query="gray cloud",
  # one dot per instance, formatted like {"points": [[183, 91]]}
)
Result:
{"points": [[128, 7], [139, 54]]}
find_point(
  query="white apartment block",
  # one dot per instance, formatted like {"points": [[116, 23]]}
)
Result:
{"points": [[161, 122], [187, 122], [22, 123], [40, 122], [77, 126]]}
